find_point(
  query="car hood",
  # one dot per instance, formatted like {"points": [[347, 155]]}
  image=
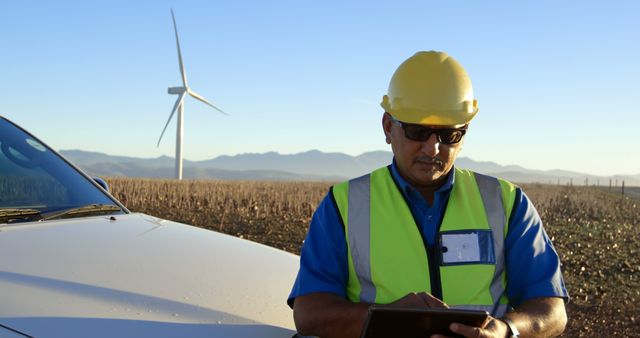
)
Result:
{"points": [[137, 275]]}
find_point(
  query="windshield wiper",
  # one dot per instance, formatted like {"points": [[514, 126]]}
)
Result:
{"points": [[87, 210], [13, 215]]}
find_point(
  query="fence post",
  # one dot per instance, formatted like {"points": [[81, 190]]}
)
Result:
{"points": [[622, 188]]}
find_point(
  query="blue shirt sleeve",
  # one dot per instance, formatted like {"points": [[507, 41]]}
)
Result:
{"points": [[323, 260], [533, 266]]}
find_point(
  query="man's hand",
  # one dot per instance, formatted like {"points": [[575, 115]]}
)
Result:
{"points": [[494, 328], [537, 317], [419, 300]]}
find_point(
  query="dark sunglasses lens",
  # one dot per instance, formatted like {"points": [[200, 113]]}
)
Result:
{"points": [[450, 136], [421, 134], [416, 133]]}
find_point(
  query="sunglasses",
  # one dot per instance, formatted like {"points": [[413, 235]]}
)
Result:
{"points": [[420, 133]]}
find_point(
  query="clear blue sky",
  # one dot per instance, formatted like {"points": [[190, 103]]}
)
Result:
{"points": [[557, 81]]}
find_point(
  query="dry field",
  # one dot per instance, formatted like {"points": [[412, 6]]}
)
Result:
{"points": [[595, 232]]}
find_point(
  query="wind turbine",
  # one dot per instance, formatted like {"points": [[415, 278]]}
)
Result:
{"points": [[179, 105]]}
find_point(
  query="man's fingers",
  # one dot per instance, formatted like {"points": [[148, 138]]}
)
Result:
{"points": [[466, 330], [431, 301], [425, 298]]}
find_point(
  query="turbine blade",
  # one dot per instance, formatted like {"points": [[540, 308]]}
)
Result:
{"points": [[198, 97], [182, 71], [175, 107]]}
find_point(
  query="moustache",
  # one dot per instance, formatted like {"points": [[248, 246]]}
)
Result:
{"points": [[430, 160]]}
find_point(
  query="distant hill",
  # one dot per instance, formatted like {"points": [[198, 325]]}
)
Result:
{"points": [[132, 169], [89, 158], [311, 162], [312, 165]]}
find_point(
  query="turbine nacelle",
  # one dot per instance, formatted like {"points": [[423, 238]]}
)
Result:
{"points": [[177, 90]]}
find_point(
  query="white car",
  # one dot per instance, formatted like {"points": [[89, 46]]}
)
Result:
{"points": [[74, 262]]}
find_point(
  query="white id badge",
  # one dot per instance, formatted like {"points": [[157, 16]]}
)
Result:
{"points": [[461, 248]]}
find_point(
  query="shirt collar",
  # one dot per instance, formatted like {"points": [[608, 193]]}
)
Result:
{"points": [[408, 188]]}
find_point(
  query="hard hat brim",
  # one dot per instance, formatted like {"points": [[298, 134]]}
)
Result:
{"points": [[432, 117]]}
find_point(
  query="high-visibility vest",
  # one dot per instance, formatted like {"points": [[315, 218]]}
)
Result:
{"points": [[387, 258]]}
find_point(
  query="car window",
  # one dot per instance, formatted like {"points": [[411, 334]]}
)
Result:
{"points": [[28, 187], [34, 177]]}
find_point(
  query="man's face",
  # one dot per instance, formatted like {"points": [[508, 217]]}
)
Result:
{"points": [[422, 164]]}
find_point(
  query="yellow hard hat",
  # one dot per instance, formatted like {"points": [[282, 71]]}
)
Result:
{"points": [[431, 88]]}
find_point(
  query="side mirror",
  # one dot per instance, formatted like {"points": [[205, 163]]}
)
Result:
{"points": [[102, 183]]}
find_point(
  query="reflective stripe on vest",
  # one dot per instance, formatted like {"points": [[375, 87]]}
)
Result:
{"points": [[359, 230], [354, 200], [491, 193]]}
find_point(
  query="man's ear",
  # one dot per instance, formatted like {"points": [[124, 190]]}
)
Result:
{"points": [[387, 124]]}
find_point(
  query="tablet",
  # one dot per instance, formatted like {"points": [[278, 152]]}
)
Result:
{"points": [[387, 321]]}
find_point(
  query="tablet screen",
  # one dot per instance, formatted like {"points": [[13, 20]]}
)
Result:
{"points": [[386, 321]]}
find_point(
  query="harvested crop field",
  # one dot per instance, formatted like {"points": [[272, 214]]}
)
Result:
{"points": [[595, 232]]}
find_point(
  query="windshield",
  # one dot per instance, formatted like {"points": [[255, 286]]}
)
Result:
{"points": [[33, 177]]}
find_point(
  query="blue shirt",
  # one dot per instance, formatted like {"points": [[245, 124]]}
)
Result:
{"points": [[532, 264]]}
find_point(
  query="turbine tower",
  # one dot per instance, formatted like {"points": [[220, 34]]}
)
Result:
{"points": [[179, 105]]}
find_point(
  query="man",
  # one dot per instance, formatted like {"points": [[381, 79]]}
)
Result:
{"points": [[421, 233]]}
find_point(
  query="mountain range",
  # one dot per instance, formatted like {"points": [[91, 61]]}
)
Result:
{"points": [[312, 165]]}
